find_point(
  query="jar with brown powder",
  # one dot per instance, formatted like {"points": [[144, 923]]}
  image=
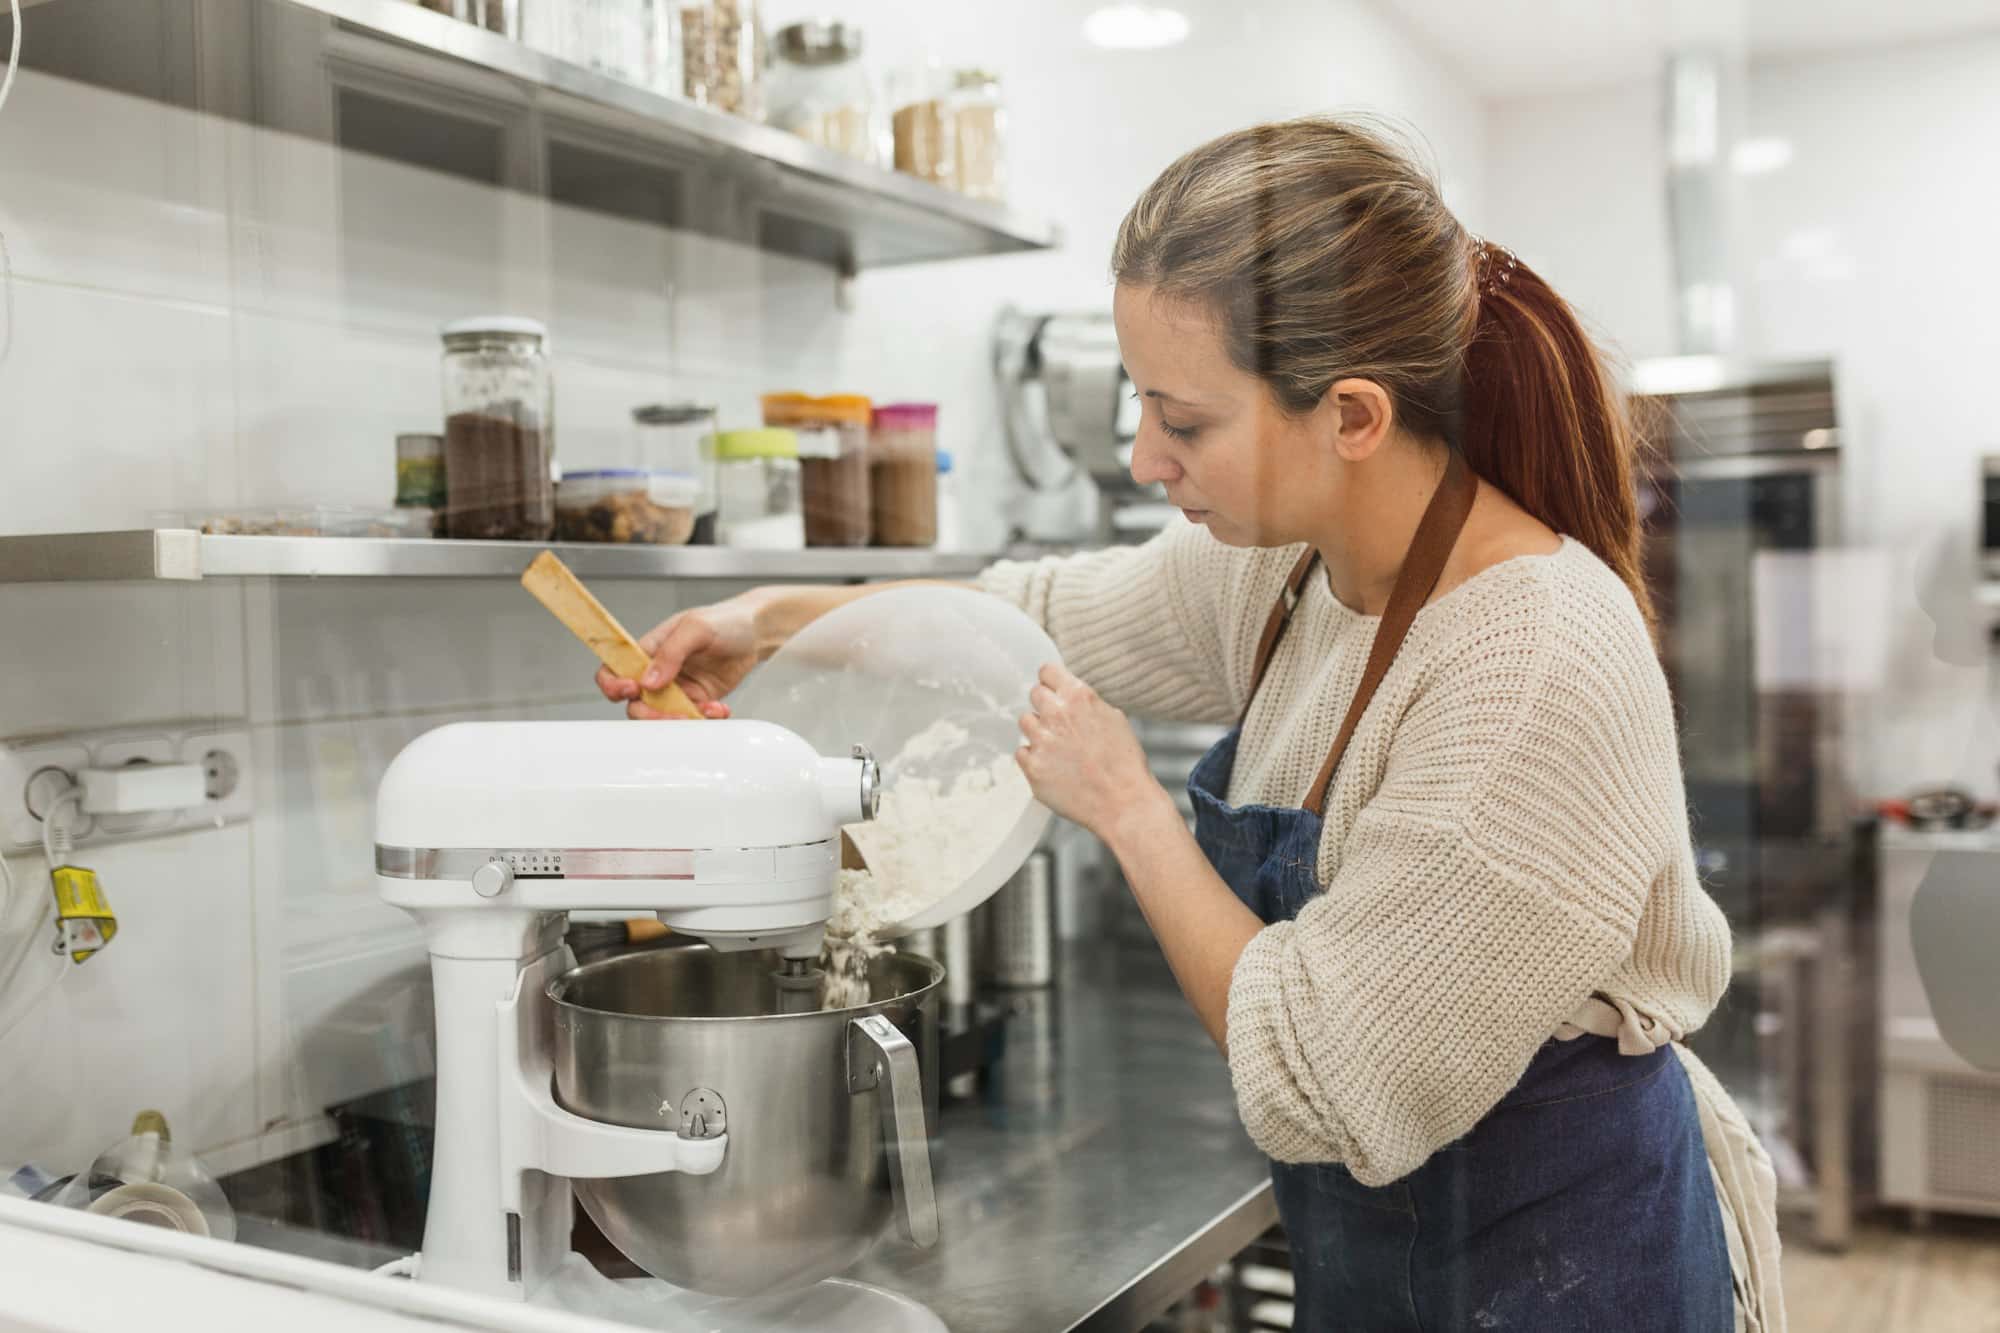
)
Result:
{"points": [[834, 477], [902, 466], [498, 437]]}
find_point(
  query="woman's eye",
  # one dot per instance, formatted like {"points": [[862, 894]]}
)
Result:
{"points": [[1182, 433]]}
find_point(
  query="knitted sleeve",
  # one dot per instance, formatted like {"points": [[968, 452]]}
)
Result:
{"points": [[1154, 628], [1532, 799]]}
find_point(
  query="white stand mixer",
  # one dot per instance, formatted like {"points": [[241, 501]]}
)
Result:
{"points": [[489, 833]]}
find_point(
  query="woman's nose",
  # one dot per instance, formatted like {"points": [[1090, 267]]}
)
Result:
{"points": [[1150, 461]]}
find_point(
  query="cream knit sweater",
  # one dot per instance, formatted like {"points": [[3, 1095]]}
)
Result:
{"points": [[1507, 835]]}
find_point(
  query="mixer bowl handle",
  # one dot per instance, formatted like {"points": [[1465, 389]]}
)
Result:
{"points": [[880, 1056]]}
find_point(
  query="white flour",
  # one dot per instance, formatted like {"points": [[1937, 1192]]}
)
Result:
{"points": [[923, 843]]}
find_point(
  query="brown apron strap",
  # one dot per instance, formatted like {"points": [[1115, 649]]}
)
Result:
{"points": [[1274, 626], [1423, 564]]}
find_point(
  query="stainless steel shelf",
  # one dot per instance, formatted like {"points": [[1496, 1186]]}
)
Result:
{"points": [[536, 123], [180, 554]]}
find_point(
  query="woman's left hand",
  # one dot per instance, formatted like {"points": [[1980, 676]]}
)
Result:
{"points": [[1082, 758]]}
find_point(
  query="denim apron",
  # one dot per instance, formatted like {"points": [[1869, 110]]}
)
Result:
{"points": [[1582, 1201]]}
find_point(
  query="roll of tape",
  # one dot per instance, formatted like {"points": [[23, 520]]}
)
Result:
{"points": [[154, 1205]]}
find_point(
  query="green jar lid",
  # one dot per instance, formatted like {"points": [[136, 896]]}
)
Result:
{"points": [[765, 442]]}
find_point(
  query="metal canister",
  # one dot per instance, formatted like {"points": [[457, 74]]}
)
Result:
{"points": [[1024, 926], [959, 990], [923, 943], [958, 969]]}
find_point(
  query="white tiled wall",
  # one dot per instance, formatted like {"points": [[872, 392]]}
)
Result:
{"points": [[205, 313]]}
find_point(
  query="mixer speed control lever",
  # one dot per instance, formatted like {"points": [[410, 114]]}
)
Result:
{"points": [[491, 880]]}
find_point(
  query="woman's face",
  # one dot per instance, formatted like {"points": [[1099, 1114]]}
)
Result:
{"points": [[1229, 456]]}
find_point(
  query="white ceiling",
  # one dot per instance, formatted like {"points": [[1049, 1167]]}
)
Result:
{"points": [[1512, 48]]}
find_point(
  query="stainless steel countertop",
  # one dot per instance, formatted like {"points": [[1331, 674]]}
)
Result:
{"points": [[1103, 1172]]}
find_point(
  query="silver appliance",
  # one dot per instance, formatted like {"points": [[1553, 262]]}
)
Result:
{"points": [[1069, 416], [815, 1195], [1741, 498], [1940, 1116]]}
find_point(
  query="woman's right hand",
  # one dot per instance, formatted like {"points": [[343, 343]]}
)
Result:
{"points": [[708, 649]]}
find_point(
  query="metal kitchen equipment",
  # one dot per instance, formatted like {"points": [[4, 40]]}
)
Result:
{"points": [[1066, 409], [1741, 506], [799, 1204], [1940, 1131], [1023, 921], [489, 833]]}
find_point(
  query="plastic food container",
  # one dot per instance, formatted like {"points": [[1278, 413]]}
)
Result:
{"points": [[757, 490], [833, 463], [499, 399], [885, 669], [626, 505], [903, 472]]}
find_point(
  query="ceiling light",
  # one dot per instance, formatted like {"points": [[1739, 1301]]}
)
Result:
{"points": [[1135, 27], [1758, 157]]}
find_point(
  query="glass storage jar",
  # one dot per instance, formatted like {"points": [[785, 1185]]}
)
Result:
{"points": [[722, 55], [420, 483], [903, 472], [833, 463], [819, 90], [680, 437], [921, 125], [757, 490], [499, 437], [979, 135]]}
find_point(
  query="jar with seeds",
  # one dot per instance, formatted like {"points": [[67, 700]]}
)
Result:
{"points": [[722, 55]]}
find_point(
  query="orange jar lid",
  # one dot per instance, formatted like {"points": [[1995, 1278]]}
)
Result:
{"points": [[801, 409], [785, 409], [846, 407]]}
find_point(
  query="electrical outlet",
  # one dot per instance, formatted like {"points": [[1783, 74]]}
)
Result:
{"points": [[24, 796], [225, 755], [20, 829]]}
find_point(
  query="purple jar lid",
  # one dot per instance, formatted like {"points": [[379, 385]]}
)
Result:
{"points": [[907, 416]]}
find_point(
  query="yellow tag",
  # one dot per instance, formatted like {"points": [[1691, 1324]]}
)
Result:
{"points": [[84, 921]]}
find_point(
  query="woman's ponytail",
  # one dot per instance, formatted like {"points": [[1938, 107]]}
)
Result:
{"points": [[1542, 420]]}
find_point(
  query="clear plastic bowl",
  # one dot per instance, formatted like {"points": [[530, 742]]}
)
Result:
{"points": [[884, 669]]}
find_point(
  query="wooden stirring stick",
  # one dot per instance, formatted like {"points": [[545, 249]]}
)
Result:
{"points": [[555, 587]]}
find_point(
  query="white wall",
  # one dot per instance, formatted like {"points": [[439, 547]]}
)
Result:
{"points": [[1876, 247], [207, 314]]}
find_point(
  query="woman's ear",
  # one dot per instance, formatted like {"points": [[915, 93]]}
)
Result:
{"points": [[1362, 415]]}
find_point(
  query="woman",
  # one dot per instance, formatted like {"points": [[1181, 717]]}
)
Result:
{"points": [[1440, 907]]}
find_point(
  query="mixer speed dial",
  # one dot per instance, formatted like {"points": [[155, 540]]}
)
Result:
{"points": [[491, 880]]}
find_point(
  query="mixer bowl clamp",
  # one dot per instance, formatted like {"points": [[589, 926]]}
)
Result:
{"points": [[537, 1134]]}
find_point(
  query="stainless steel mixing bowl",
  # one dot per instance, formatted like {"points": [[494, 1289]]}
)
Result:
{"points": [[808, 1101]]}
